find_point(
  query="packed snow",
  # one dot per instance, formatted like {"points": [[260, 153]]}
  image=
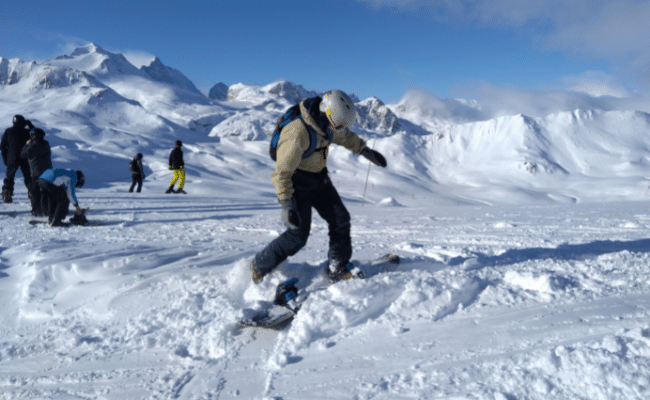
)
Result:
{"points": [[524, 240]]}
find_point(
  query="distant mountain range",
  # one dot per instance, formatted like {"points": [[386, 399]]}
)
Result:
{"points": [[93, 102]]}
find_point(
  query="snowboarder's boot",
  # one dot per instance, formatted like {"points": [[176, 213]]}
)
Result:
{"points": [[60, 223], [285, 292], [340, 272], [79, 219], [170, 190], [6, 197]]}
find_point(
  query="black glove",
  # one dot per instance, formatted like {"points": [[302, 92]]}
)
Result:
{"points": [[375, 157], [29, 123], [290, 216]]}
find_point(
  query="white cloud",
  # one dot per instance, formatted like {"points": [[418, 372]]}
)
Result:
{"points": [[597, 84], [594, 90], [611, 30]]}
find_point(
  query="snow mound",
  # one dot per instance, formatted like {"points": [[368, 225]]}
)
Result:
{"points": [[389, 202]]}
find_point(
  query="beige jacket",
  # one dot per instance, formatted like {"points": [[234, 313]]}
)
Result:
{"points": [[293, 143]]}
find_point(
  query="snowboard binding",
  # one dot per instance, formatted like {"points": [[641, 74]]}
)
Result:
{"points": [[285, 293]]}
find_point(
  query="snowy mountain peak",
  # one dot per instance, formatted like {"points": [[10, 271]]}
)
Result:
{"points": [[373, 115], [290, 91], [218, 92], [11, 71], [96, 61], [88, 49], [156, 70], [287, 93]]}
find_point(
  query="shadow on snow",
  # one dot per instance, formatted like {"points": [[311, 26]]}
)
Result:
{"points": [[562, 252]]}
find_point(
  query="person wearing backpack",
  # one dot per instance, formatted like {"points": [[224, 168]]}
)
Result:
{"points": [[177, 164], [137, 172], [38, 154], [300, 146]]}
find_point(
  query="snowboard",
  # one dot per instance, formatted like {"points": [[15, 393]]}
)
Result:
{"points": [[274, 317], [281, 312], [67, 224]]}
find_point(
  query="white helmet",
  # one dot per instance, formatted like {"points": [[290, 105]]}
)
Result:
{"points": [[339, 109]]}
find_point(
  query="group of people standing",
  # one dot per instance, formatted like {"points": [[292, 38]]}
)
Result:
{"points": [[51, 190]]}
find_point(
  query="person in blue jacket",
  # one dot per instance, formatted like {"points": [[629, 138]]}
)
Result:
{"points": [[59, 185]]}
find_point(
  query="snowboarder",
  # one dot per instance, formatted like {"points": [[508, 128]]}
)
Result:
{"points": [[11, 144], [38, 154], [178, 166], [137, 172], [59, 185], [301, 182]]}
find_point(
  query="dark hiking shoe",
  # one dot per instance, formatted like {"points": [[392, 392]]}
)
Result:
{"points": [[180, 191], [60, 223], [170, 190], [6, 197], [341, 272]]}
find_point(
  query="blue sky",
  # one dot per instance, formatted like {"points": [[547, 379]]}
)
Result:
{"points": [[381, 48]]}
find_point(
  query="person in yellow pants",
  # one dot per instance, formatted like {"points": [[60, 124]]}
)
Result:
{"points": [[178, 166]]}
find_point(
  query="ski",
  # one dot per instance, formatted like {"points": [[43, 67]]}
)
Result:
{"points": [[68, 224]]}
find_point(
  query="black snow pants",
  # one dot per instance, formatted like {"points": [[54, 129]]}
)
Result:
{"points": [[311, 190], [8, 184], [137, 180], [57, 200], [38, 199]]}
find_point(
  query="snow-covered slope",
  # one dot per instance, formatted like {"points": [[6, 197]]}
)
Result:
{"points": [[516, 302]]}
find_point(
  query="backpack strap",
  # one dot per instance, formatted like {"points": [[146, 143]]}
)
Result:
{"points": [[313, 140], [289, 116]]}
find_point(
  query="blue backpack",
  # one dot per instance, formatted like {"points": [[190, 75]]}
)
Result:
{"points": [[290, 115]]}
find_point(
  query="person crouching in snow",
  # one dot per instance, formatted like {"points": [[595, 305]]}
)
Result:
{"points": [[176, 163], [59, 185], [301, 182]]}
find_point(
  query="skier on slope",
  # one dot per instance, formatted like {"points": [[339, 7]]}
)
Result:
{"points": [[11, 144], [137, 173], [303, 183], [38, 154], [177, 164]]}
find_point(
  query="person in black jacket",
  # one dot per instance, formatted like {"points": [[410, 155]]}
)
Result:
{"points": [[38, 154], [12, 143], [176, 163], [137, 173]]}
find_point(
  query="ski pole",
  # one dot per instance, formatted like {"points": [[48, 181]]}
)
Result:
{"points": [[363, 198]]}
